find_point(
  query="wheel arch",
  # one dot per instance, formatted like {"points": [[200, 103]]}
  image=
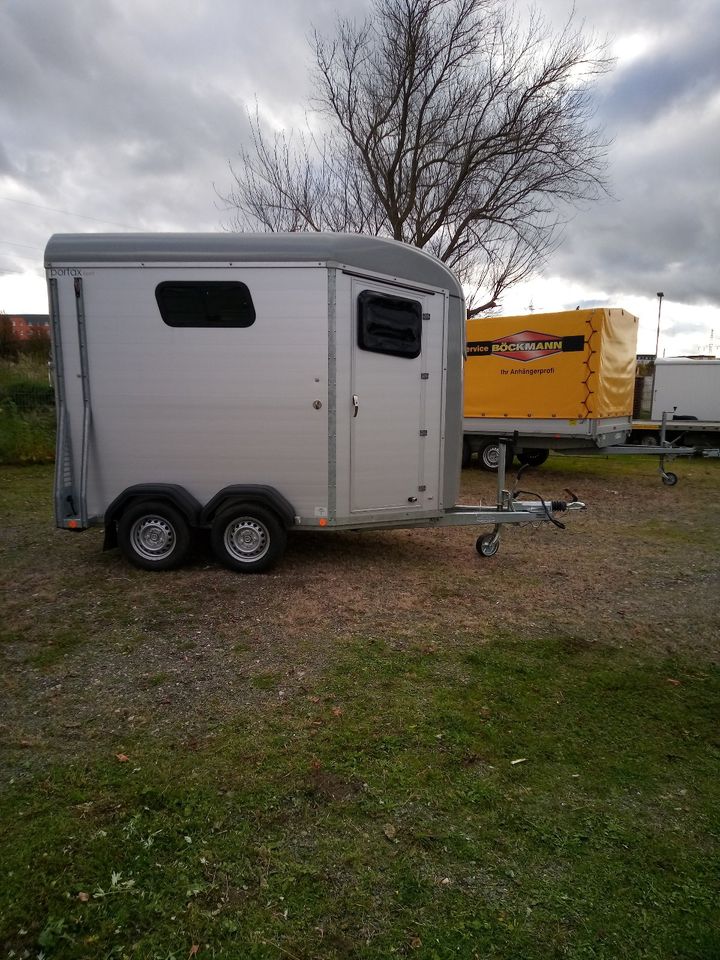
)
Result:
{"points": [[249, 493], [170, 493]]}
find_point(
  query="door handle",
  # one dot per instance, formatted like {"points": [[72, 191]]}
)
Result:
{"points": [[356, 404]]}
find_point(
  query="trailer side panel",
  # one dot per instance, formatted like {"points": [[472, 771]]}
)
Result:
{"points": [[204, 407]]}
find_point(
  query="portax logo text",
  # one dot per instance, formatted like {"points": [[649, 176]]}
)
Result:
{"points": [[525, 346]]}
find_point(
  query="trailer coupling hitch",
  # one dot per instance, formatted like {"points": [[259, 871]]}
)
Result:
{"points": [[562, 506], [572, 503], [550, 507]]}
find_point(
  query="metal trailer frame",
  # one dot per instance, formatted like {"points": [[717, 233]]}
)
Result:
{"points": [[71, 491], [665, 450], [508, 509]]}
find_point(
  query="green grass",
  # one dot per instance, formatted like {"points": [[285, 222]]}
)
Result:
{"points": [[382, 816], [369, 808], [27, 417], [600, 465], [26, 437]]}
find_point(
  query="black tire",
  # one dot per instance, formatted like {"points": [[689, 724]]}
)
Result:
{"points": [[669, 479], [487, 545], [466, 454], [534, 458], [248, 538], [489, 456], [153, 535]]}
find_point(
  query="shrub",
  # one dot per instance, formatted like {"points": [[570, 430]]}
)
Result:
{"points": [[29, 394], [27, 437]]}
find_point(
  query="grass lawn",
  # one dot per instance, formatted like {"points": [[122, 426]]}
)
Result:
{"points": [[320, 764], [27, 414]]}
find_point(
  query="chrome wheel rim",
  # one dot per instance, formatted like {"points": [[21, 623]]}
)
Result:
{"points": [[152, 538], [491, 457], [246, 539]]}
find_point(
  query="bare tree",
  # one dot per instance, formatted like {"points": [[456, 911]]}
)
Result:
{"points": [[443, 124]]}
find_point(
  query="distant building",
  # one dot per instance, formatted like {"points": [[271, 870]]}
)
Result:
{"points": [[24, 323]]}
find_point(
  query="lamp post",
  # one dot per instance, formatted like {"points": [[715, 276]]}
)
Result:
{"points": [[660, 296]]}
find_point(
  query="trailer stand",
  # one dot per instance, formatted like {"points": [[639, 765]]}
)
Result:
{"points": [[488, 544], [668, 477]]}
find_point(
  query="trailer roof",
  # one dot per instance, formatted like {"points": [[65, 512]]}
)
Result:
{"points": [[690, 361], [376, 254]]}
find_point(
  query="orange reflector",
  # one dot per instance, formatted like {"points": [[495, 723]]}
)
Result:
{"points": [[73, 524], [323, 522]]}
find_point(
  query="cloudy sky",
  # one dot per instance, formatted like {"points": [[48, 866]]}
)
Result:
{"points": [[123, 115]]}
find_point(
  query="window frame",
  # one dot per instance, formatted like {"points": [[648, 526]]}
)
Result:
{"points": [[364, 299]]}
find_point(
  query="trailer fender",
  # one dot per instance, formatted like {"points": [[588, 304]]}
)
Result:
{"points": [[249, 493], [167, 492]]}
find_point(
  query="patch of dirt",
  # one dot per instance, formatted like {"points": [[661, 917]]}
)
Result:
{"points": [[326, 785]]}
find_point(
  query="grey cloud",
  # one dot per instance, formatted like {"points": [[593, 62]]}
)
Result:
{"points": [[661, 229], [683, 70], [6, 168], [128, 112], [620, 17], [586, 304], [684, 327]]}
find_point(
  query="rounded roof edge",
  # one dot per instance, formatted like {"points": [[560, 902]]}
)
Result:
{"points": [[676, 361], [378, 254]]}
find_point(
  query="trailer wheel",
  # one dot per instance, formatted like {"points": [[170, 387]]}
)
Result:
{"points": [[153, 535], [669, 479], [248, 538], [534, 458], [489, 456], [488, 544]]}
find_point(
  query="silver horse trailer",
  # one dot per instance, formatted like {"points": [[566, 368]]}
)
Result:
{"points": [[253, 384]]}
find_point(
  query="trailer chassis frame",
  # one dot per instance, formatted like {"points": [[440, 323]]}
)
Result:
{"points": [[665, 450]]}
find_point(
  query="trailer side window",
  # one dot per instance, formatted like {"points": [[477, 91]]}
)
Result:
{"points": [[391, 325], [205, 303]]}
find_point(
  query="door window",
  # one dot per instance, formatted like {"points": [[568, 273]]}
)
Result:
{"points": [[390, 325]]}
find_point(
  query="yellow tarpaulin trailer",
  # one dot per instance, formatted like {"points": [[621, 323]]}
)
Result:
{"points": [[549, 381]]}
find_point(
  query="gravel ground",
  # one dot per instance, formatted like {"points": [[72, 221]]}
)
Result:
{"points": [[94, 649]]}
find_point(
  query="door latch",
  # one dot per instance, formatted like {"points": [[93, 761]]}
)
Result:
{"points": [[356, 404]]}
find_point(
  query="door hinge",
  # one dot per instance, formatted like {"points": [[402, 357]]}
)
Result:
{"points": [[423, 433], [422, 489], [424, 376]]}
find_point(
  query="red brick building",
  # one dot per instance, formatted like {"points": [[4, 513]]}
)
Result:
{"points": [[24, 323]]}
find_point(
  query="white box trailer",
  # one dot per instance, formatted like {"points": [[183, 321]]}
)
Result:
{"points": [[686, 392], [687, 388], [256, 383]]}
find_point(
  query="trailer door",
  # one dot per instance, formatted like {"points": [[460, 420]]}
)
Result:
{"points": [[390, 372]]}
